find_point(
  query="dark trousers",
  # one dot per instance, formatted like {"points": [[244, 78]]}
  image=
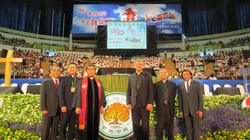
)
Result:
{"points": [[192, 124], [80, 134], [140, 118], [69, 119], [165, 123], [50, 127]]}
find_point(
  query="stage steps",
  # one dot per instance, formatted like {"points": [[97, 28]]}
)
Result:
{"points": [[45, 66], [87, 63], [208, 69], [169, 65], [126, 63]]}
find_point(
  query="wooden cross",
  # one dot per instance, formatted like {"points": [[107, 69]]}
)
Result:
{"points": [[8, 60]]}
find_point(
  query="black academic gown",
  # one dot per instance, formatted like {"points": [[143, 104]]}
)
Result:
{"points": [[91, 131]]}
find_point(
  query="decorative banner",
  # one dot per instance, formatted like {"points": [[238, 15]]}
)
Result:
{"points": [[116, 121], [166, 17], [246, 102]]}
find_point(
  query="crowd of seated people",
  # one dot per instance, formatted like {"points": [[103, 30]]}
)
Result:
{"points": [[219, 43], [12, 41], [149, 62], [227, 63], [63, 60], [20, 42], [193, 62], [30, 66], [232, 43], [238, 42], [105, 61], [81, 49]]}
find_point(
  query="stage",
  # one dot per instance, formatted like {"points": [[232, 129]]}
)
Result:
{"points": [[118, 83]]}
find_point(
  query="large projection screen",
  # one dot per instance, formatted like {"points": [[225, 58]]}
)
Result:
{"points": [[126, 35]]}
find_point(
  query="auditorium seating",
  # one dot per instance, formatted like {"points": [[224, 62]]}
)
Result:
{"points": [[24, 87], [215, 86], [207, 91], [14, 85], [227, 85], [242, 89]]}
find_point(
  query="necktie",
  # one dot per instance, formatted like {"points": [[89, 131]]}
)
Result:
{"points": [[56, 84], [188, 86]]}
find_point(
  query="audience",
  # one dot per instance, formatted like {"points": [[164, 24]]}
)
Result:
{"points": [[226, 63]]}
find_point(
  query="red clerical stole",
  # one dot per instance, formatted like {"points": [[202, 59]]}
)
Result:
{"points": [[83, 112]]}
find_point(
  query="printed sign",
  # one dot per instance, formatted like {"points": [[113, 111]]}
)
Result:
{"points": [[116, 121]]}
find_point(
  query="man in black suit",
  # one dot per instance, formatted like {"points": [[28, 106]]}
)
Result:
{"points": [[66, 96], [191, 105], [140, 99], [165, 92], [49, 104]]}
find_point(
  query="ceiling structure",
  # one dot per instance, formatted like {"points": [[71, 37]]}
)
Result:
{"points": [[127, 1]]}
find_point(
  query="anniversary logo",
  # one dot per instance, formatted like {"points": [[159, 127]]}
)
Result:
{"points": [[116, 121]]}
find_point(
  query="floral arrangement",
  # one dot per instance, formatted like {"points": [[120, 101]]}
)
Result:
{"points": [[20, 118], [20, 114], [10, 134], [223, 115]]}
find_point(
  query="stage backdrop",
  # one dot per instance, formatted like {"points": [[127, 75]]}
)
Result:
{"points": [[166, 17]]}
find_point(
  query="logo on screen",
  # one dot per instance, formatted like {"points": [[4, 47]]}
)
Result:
{"points": [[117, 31]]}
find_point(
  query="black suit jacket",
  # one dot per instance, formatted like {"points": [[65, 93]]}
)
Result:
{"points": [[66, 98], [49, 97], [191, 101], [145, 90], [159, 98]]}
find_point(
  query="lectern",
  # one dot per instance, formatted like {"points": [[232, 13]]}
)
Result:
{"points": [[244, 72]]}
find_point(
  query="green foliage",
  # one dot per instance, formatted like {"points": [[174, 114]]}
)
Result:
{"points": [[205, 47], [220, 100], [24, 109], [51, 47], [20, 108], [10, 134]]}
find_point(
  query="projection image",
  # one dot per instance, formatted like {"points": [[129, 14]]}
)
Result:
{"points": [[126, 35], [166, 17]]}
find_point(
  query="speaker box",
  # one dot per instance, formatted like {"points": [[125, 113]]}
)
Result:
{"points": [[4, 53], [101, 37], [14, 90], [33, 89]]}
